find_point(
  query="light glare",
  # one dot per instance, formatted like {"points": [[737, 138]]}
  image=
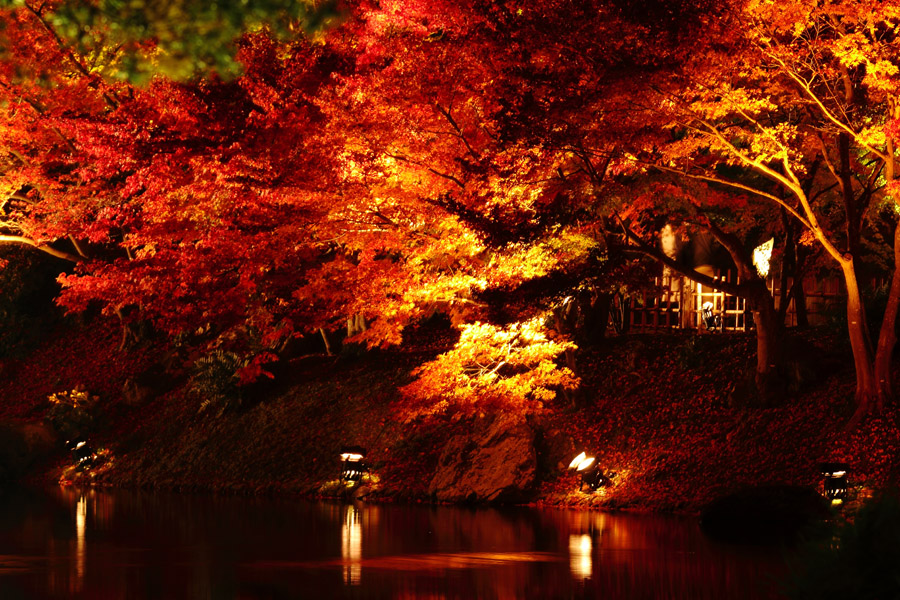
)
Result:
{"points": [[577, 460]]}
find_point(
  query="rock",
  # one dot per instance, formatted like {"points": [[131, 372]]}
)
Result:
{"points": [[773, 514], [146, 386], [21, 446], [556, 449], [135, 394], [361, 492], [495, 462]]}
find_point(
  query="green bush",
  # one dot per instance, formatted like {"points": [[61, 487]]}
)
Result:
{"points": [[875, 302], [216, 380], [692, 354], [73, 414]]}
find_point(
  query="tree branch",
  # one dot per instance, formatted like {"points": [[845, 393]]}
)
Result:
{"points": [[651, 251], [18, 239]]}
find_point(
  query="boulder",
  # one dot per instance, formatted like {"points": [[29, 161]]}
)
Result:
{"points": [[22, 445], [771, 514], [153, 382], [494, 462], [135, 393]]}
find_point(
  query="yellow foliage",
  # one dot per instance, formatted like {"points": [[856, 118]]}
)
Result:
{"points": [[521, 262], [509, 368], [872, 136]]}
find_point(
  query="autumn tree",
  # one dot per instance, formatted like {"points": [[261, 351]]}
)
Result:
{"points": [[135, 186], [417, 157], [732, 220], [178, 39], [802, 102], [519, 120], [240, 210]]}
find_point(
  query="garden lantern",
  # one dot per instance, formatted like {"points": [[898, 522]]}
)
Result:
{"points": [[834, 484], [352, 463]]}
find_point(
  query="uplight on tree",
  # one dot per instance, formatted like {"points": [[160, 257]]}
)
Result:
{"points": [[762, 254]]}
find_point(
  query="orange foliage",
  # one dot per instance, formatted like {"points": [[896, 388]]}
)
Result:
{"points": [[492, 368]]}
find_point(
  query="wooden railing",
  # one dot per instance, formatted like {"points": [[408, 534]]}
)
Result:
{"points": [[659, 306]]}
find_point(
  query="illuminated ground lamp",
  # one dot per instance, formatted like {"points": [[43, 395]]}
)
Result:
{"points": [[591, 475], [352, 463], [711, 320], [835, 481], [82, 454]]}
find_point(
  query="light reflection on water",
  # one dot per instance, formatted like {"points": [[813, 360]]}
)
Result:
{"points": [[70, 543], [351, 545], [580, 546], [80, 527]]}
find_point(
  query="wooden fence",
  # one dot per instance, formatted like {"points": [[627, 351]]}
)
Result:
{"points": [[659, 306]]}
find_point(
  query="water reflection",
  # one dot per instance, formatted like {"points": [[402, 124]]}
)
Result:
{"points": [[135, 545], [351, 546], [580, 547], [80, 527]]}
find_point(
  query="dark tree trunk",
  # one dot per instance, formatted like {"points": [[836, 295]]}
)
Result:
{"points": [[868, 392], [887, 338], [768, 378]]}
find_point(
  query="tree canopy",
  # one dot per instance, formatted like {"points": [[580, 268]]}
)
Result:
{"points": [[246, 172]]}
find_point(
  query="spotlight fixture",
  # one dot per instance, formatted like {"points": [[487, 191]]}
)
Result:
{"points": [[82, 454], [591, 475]]}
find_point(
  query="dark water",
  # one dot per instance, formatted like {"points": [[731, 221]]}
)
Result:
{"points": [[67, 543]]}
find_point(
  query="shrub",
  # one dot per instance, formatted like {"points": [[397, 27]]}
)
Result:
{"points": [[860, 560], [73, 414], [216, 380]]}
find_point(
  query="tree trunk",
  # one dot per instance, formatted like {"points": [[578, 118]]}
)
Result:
{"points": [[792, 268], [596, 317], [356, 324], [867, 389], [887, 337], [768, 347], [325, 339], [799, 298], [575, 397]]}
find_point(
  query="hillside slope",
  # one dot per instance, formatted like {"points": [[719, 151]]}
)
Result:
{"points": [[669, 414]]}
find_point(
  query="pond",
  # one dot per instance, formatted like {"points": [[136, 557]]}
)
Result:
{"points": [[70, 543]]}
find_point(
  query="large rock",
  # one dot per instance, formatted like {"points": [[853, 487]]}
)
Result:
{"points": [[22, 445], [495, 462], [772, 514], [155, 381]]}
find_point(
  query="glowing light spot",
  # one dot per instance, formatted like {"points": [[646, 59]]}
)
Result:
{"points": [[581, 563], [577, 460], [762, 254], [585, 463], [351, 546]]}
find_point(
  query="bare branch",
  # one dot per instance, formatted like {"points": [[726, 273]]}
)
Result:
{"points": [[740, 186], [459, 131], [18, 239]]}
